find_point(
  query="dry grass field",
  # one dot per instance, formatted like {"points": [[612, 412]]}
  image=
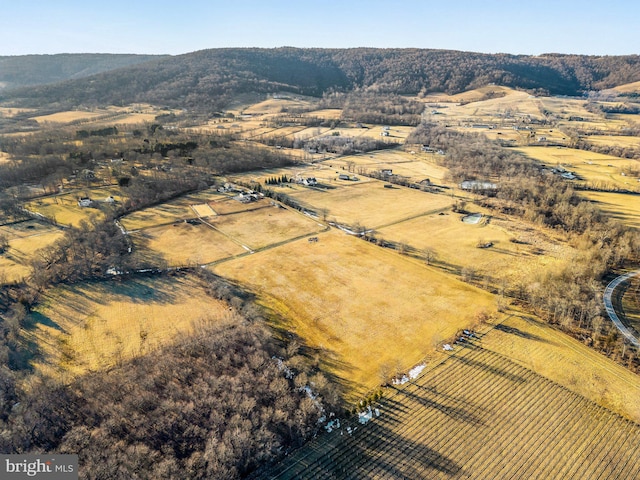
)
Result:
{"points": [[277, 105], [94, 326], [65, 209], [622, 206], [628, 88], [592, 168], [616, 140], [411, 163], [70, 116], [262, 227], [477, 415], [368, 310], [25, 239], [541, 348], [369, 204], [184, 244], [455, 245], [170, 212]]}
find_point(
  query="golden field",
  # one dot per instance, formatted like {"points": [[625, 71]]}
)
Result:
{"points": [[621, 206], [262, 227], [25, 239], [371, 205], [368, 310], [184, 244], [542, 348], [94, 326]]}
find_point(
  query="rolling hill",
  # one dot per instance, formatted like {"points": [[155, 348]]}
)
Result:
{"points": [[209, 79], [28, 70]]}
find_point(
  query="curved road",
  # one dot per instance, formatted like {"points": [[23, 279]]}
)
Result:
{"points": [[611, 311]]}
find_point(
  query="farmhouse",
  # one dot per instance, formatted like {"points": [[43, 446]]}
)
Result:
{"points": [[85, 202], [386, 171], [308, 182]]}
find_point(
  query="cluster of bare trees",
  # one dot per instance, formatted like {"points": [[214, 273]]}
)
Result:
{"points": [[570, 298]]}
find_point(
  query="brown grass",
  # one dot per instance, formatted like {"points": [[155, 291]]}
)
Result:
{"points": [[265, 226], [182, 244], [543, 349], [367, 309], [95, 326]]}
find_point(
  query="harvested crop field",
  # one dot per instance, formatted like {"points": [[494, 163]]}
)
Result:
{"points": [[477, 415]]}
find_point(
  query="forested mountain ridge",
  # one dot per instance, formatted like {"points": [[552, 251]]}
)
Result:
{"points": [[25, 70], [210, 78]]}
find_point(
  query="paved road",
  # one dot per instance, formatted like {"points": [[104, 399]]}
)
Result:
{"points": [[608, 305]]}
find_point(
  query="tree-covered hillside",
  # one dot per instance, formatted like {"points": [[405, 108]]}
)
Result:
{"points": [[208, 79], [25, 70]]}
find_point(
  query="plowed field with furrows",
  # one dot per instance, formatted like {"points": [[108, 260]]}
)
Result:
{"points": [[477, 415]]}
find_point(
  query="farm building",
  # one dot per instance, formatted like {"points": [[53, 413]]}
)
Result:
{"points": [[85, 202], [477, 185]]}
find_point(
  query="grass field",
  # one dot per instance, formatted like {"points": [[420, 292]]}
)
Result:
{"points": [[592, 168], [417, 165], [455, 245], [622, 206], [477, 415], [94, 326], [367, 309], [65, 210], [265, 226], [184, 244], [370, 204], [170, 212], [25, 238], [70, 116], [542, 348]]}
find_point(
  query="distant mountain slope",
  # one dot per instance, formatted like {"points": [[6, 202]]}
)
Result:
{"points": [[210, 78], [25, 70]]}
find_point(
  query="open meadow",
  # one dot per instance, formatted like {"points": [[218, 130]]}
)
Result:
{"points": [[593, 170], [64, 207], [413, 164], [96, 325], [621, 206], [25, 239], [370, 312], [370, 204], [495, 249]]}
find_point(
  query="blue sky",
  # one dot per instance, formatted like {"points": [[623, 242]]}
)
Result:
{"points": [[181, 26]]}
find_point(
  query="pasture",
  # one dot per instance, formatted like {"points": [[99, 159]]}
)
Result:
{"points": [[64, 207], [370, 312], [414, 164], [94, 326], [621, 206], [369, 204], [266, 226], [476, 415], [593, 169], [512, 255], [182, 243], [25, 239], [170, 212]]}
